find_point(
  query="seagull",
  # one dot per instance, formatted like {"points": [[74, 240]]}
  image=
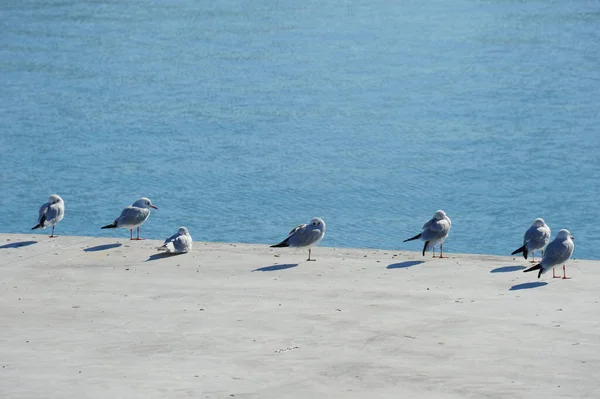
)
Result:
{"points": [[557, 252], [305, 236], [536, 237], [133, 216], [51, 213], [178, 243], [434, 231]]}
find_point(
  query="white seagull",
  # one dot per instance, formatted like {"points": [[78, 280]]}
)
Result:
{"points": [[536, 237], [51, 213], [304, 236], [557, 252], [133, 216], [178, 243], [434, 231]]}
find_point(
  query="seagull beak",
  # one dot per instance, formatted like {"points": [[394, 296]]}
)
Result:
{"points": [[152, 206], [572, 238]]}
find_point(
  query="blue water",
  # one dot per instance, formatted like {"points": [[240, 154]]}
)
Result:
{"points": [[241, 119]]}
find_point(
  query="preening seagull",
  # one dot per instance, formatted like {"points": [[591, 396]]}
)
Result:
{"points": [[536, 237], [51, 213], [434, 231], [557, 252], [133, 216], [178, 243], [304, 236]]}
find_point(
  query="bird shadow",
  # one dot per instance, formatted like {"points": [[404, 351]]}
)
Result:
{"points": [[507, 269], [18, 244], [275, 267], [526, 286], [404, 265], [162, 255], [102, 247]]}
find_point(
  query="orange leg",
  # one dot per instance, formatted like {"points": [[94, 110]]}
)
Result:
{"points": [[564, 277], [138, 235]]}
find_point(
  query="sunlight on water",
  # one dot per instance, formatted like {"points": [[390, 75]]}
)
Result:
{"points": [[241, 120]]}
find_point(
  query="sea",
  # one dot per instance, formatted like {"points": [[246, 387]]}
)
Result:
{"points": [[242, 119]]}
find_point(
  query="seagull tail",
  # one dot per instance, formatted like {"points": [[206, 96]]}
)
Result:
{"points": [[413, 238], [40, 224], [113, 225], [282, 244], [536, 267], [523, 249], [168, 247]]}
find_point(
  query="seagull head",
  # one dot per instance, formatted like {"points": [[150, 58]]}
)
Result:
{"points": [[564, 234], [144, 203], [439, 215], [539, 222], [317, 223], [183, 231], [54, 199]]}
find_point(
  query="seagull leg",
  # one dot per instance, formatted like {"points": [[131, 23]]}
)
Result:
{"points": [[52, 234], [564, 277], [138, 234], [554, 275], [433, 249], [441, 251], [309, 259], [131, 234]]}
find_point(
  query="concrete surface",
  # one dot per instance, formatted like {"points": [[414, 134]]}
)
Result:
{"points": [[84, 317]]}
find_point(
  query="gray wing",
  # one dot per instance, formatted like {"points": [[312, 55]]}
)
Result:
{"points": [[529, 234], [182, 243], [535, 238], [295, 229], [42, 214], [54, 214], [435, 230], [172, 238], [429, 223], [132, 216], [303, 236], [556, 253]]}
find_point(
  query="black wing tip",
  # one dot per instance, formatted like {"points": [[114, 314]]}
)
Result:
{"points": [[110, 226], [280, 245], [413, 238], [536, 267], [37, 226], [425, 247], [519, 250]]}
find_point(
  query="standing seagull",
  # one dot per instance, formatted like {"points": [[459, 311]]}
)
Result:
{"points": [[557, 252], [305, 235], [434, 231], [178, 243], [133, 216], [51, 213], [536, 237]]}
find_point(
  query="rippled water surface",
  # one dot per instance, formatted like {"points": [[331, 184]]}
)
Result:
{"points": [[242, 119]]}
